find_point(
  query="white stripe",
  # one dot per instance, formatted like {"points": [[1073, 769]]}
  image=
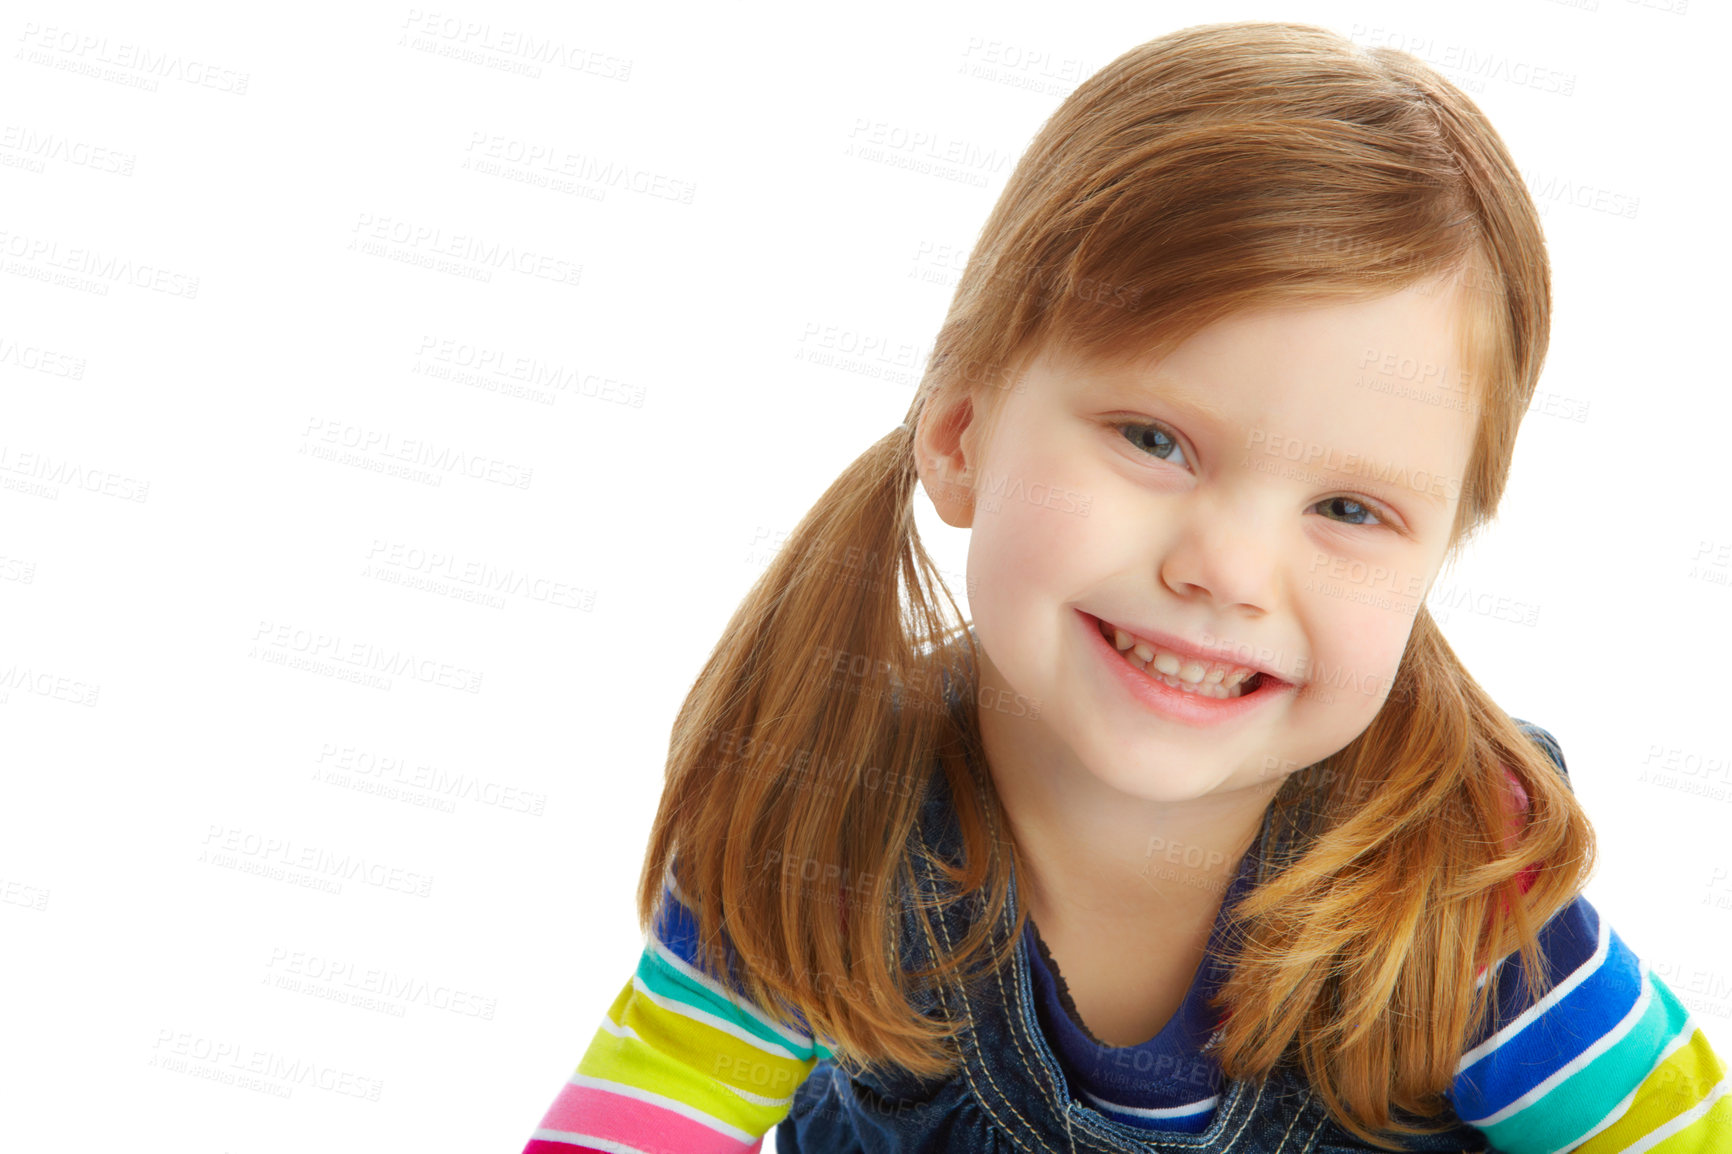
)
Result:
{"points": [[573, 1138], [689, 1011], [794, 1037], [620, 1031], [1552, 997], [1581, 1061], [1154, 1111], [1682, 1121], [683, 1109], [1623, 1105]]}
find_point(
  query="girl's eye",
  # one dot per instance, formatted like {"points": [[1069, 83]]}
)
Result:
{"points": [[1349, 506], [1152, 439], [1156, 441]]}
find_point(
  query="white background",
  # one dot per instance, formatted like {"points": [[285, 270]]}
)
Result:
{"points": [[171, 537]]}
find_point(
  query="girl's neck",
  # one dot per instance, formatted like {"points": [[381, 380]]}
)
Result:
{"points": [[1115, 870], [1092, 854]]}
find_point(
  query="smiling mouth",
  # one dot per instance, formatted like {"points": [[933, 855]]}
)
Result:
{"points": [[1217, 679]]}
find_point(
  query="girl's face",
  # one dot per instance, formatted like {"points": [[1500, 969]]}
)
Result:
{"points": [[1277, 492]]}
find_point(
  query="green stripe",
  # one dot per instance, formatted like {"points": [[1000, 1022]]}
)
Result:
{"points": [[667, 982], [1580, 1102]]}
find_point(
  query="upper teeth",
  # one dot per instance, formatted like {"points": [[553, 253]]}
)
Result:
{"points": [[1187, 669]]}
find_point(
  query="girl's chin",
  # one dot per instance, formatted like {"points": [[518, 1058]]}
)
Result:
{"points": [[1167, 785]]}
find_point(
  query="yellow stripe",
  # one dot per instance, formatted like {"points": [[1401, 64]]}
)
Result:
{"points": [[692, 1062], [1672, 1088], [1712, 1131], [717, 1053]]}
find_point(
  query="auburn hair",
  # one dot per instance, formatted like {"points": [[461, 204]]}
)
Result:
{"points": [[1217, 168]]}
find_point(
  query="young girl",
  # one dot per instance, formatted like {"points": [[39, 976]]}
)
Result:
{"points": [[1198, 837]]}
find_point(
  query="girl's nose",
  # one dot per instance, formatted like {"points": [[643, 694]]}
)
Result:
{"points": [[1231, 561]]}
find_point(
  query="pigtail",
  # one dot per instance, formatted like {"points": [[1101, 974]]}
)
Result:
{"points": [[797, 765]]}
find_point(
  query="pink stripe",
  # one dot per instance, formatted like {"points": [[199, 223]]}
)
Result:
{"points": [[646, 1125]]}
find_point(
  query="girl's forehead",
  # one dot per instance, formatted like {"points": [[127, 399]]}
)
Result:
{"points": [[1417, 325]]}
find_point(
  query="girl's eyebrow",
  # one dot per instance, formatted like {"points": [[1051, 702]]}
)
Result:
{"points": [[1192, 399], [1167, 388]]}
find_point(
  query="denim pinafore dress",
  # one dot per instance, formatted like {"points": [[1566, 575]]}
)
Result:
{"points": [[1011, 1095]]}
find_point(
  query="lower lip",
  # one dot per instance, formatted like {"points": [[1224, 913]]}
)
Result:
{"points": [[1159, 697]]}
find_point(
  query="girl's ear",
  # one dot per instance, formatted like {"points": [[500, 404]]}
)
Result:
{"points": [[944, 454]]}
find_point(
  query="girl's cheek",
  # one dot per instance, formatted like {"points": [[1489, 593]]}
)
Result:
{"points": [[1370, 641], [1024, 542], [1043, 501]]}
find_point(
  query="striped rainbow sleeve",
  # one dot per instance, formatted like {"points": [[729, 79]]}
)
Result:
{"points": [[677, 1065], [1606, 1060]]}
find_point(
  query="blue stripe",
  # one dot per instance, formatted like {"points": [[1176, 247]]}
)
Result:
{"points": [[1566, 942], [677, 927], [1556, 1037]]}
